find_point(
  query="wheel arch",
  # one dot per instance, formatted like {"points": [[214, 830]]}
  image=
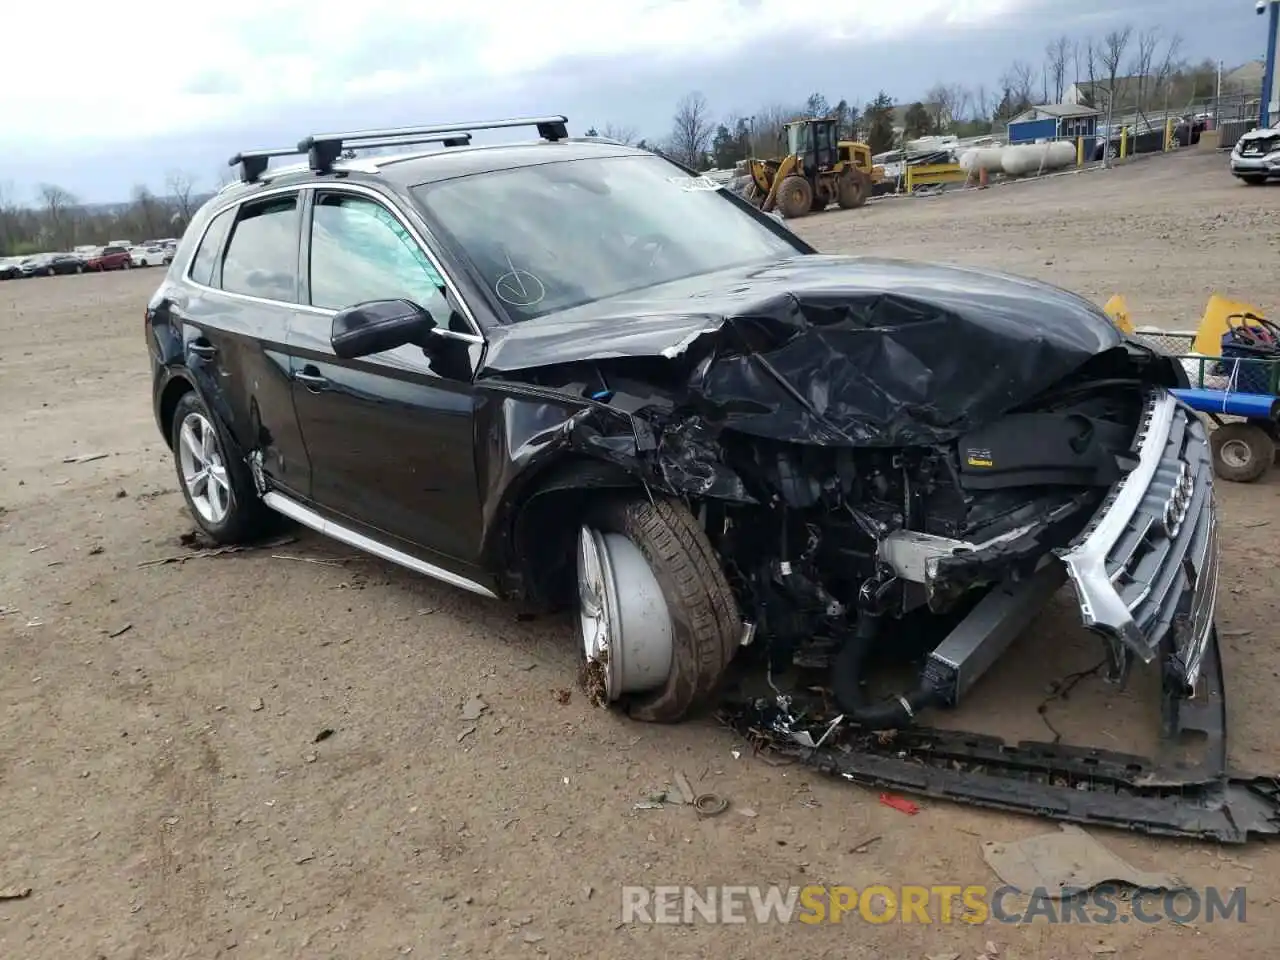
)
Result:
{"points": [[178, 383], [532, 545], [174, 389]]}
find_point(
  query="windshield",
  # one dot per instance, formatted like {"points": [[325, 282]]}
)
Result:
{"points": [[554, 236]]}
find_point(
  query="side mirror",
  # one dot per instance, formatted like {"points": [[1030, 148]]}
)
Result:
{"points": [[379, 325]]}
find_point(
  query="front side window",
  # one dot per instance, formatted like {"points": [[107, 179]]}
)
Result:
{"points": [[553, 236], [360, 252], [262, 258]]}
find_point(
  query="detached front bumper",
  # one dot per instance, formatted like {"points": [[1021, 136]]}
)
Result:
{"points": [[1145, 570]]}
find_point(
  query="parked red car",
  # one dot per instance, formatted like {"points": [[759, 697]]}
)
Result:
{"points": [[109, 258]]}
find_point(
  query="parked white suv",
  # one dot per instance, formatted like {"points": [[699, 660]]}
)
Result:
{"points": [[153, 256]]}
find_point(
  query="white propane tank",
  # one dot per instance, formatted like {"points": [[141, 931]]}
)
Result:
{"points": [[1062, 153], [981, 158], [1025, 158]]}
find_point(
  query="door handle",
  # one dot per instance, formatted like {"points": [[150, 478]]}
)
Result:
{"points": [[206, 351], [311, 377]]}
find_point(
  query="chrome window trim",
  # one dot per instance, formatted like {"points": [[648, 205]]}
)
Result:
{"points": [[329, 187]]}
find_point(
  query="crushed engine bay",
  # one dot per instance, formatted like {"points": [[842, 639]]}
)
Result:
{"points": [[901, 458]]}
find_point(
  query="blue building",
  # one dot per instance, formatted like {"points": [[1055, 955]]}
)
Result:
{"points": [[1270, 75], [1055, 121]]}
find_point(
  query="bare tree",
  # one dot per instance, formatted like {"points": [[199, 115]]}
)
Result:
{"points": [[767, 127], [1056, 56], [179, 184], [627, 135], [946, 104], [1110, 56], [1140, 68], [147, 212], [691, 130], [979, 110], [1170, 65], [1075, 60], [1019, 81], [1091, 55], [58, 204]]}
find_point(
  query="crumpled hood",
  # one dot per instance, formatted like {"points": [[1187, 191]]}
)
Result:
{"points": [[834, 350], [1261, 133]]}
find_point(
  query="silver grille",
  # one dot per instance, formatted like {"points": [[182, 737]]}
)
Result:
{"points": [[1145, 570]]}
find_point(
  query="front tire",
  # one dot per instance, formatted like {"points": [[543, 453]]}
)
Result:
{"points": [[658, 623], [1242, 452], [218, 489], [794, 197], [854, 190]]}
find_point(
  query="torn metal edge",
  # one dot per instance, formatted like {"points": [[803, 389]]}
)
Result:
{"points": [[1065, 782]]}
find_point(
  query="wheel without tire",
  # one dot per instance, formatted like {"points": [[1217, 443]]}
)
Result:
{"points": [[794, 197], [218, 489], [1242, 452], [657, 620]]}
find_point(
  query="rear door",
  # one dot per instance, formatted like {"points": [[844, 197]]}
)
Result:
{"points": [[390, 437], [241, 294]]}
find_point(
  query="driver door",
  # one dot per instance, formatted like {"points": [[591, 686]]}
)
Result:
{"points": [[390, 436]]}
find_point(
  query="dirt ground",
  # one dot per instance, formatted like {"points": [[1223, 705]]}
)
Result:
{"points": [[164, 794]]}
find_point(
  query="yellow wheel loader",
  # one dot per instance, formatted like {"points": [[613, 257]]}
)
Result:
{"points": [[818, 170]]}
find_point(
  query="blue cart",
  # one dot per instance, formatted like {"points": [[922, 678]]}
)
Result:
{"points": [[1244, 448]]}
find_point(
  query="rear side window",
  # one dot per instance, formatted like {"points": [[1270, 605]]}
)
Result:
{"points": [[262, 257], [206, 258]]}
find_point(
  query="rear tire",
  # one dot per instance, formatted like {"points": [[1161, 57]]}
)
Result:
{"points": [[705, 626], [245, 517], [1242, 452], [794, 198]]}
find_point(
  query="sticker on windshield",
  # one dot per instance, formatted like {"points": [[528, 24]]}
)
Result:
{"points": [[692, 184], [519, 288]]}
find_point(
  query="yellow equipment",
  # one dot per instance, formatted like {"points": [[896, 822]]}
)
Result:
{"points": [[818, 170]]}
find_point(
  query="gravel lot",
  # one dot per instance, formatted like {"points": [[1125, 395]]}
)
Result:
{"points": [[163, 794]]}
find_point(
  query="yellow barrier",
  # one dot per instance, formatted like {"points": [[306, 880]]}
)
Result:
{"points": [[1118, 310], [1124, 142], [1079, 151], [1213, 324], [931, 173]]}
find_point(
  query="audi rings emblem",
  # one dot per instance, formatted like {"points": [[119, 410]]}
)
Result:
{"points": [[1179, 501]]}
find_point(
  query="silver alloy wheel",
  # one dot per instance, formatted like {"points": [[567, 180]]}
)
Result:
{"points": [[1235, 454], [626, 627], [203, 470]]}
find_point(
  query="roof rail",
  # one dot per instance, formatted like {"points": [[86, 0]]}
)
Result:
{"points": [[253, 163], [452, 140], [323, 149]]}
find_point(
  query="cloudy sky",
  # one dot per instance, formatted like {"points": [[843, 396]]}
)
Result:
{"points": [[109, 101]]}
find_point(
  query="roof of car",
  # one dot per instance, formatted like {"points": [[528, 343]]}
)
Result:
{"points": [[411, 169], [453, 162]]}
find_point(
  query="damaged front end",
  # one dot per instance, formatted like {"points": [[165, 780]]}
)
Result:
{"points": [[897, 462]]}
